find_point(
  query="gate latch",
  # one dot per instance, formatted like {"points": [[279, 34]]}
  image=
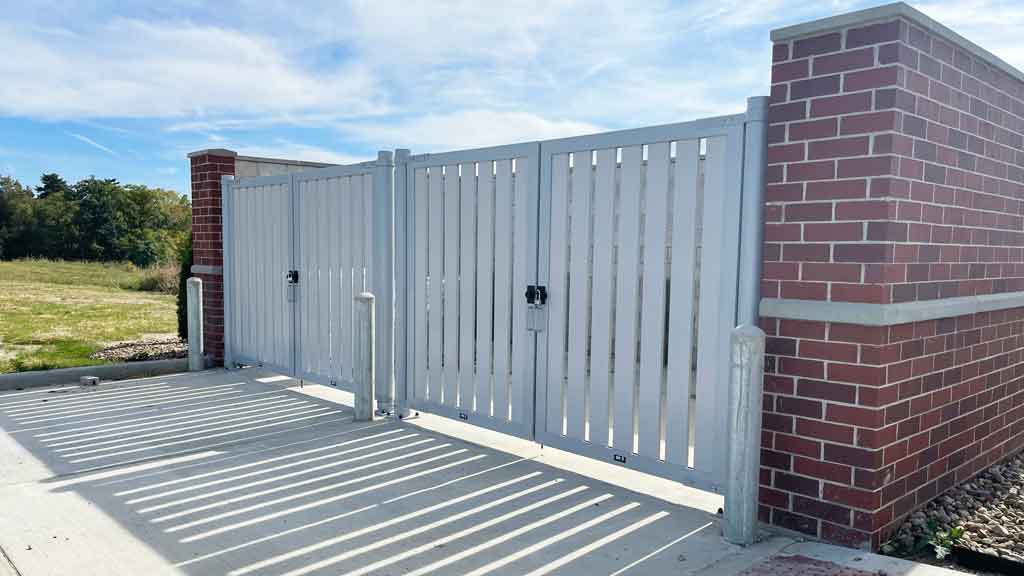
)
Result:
{"points": [[536, 295], [536, 316], [292, 276]]}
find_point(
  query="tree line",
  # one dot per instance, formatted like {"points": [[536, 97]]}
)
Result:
{"points": [[93, 219]]}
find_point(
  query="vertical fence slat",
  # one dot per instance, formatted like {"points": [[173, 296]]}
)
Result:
{"points": [[680, 328], [436, 202], [579, 284], [709, 327], [627, 293], [270, 287], [451, 284], [420, 205], [521, 373], [467, 284], [502, 289], [345, 278], [601, 308], [334, 278], [323, 253], [484, 287], [653, 313], [558, 297]]}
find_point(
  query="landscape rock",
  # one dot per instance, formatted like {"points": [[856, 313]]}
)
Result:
{"points": [[146, 349], [989, 508]]}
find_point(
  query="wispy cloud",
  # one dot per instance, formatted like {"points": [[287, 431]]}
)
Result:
{"points": [[91, 142]]}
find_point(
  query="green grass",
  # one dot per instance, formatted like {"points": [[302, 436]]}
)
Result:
{"points": [[55, 314]]}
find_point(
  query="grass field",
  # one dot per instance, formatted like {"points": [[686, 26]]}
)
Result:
{"points": [[55, 314]]}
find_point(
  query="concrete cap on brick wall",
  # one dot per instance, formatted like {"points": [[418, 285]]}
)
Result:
{"points": [[213, 152], [889, 12]]}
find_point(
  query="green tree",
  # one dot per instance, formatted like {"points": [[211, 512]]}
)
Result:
{"points": [[51, 184], [17, 218], [100, 219]]}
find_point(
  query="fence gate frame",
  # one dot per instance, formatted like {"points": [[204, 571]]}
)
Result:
{"points": [[519, 176], [376, 258], [723, 159], [521, 185]]}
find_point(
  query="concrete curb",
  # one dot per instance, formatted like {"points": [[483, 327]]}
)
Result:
{"points": [[121, 371]]}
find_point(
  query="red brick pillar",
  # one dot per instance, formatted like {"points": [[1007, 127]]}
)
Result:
{"points": [[207, 242], [893, 279]]}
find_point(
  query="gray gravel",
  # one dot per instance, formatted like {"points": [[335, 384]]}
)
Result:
{"points": [[990, 508], [146, 349]]}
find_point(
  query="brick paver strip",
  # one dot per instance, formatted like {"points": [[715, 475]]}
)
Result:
{"points": [[802, 566]]}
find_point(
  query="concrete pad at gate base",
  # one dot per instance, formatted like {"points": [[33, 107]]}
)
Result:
{"points": [[222, 473]]}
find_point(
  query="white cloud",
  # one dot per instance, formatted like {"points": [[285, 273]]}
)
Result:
{"points": [[287, 149], [464, 129], [130, 68], [992, 24], [92, 143]]}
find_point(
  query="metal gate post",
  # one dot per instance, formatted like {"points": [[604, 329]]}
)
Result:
{"points": [[740, 519], [383, 254], [747, 374], [194, 300], [365, 384], [755, 152]]}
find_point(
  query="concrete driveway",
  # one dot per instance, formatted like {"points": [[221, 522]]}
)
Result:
{"points": [[246, 473]]}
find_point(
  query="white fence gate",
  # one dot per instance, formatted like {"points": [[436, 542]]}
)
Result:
{"points": [[629, 219], [298, 248], [471, 229], [580, 292]]}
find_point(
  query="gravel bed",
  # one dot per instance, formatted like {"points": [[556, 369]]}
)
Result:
{"points": [[990, 508], [146, 349]]}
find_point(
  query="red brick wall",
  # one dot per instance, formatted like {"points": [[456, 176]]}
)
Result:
{"points": [[207, 246], [896, 173]]}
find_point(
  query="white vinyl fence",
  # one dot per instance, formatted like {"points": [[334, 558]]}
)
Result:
{"points": [[580, 292]]}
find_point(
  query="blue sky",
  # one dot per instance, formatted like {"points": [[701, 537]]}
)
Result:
{"points": [[125, 90]]}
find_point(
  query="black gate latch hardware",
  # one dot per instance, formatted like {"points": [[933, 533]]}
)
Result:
{"points": [[536, 294], [292, 276]]}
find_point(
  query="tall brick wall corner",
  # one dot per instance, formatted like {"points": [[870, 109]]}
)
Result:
{"points": [[207, 167], [895, 185]]}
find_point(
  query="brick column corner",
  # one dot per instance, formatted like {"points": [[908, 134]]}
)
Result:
{"points": [[893, 282], [207, 167]]}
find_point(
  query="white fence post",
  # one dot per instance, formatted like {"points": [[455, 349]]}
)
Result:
{"points": [[402, 308], [383, 253], [227, 259], [740, 519], [366, 336], [755, 150], [194, 298]]}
